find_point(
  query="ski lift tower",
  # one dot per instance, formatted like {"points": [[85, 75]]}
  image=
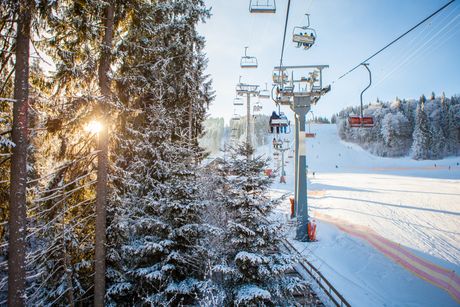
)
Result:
{"points": [[282, 147], [299, 87], [248, 90]]}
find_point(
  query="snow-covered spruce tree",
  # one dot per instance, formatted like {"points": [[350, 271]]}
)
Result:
{"points": [[155, 252], [396, 134], [438, 141], [253, 269], [155, 255], [453, 127], [422, 135]]}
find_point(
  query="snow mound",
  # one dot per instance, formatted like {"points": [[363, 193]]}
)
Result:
{"points": [[251, 293]]}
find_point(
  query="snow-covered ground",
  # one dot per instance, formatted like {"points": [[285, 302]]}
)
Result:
{"points": [[413, 203]]}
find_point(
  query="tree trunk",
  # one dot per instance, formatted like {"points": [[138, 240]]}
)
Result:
{"points": [[101, 187], [17, 219]]}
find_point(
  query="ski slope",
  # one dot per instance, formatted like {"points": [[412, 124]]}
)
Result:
{"points": [[415, 204]]}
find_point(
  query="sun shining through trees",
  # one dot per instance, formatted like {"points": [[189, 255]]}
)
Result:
{"points": [[93, 127]]}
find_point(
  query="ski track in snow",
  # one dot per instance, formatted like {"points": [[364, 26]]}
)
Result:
{"points": [[409, 202]]}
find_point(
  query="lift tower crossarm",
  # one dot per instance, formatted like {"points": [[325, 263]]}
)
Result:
{"points": [[301, 67]]}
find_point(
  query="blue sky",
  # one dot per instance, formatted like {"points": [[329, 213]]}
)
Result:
{"points": [[426, 60]]}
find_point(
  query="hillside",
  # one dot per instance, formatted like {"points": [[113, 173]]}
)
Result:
{"points": [[423, 129], [412, 203]]}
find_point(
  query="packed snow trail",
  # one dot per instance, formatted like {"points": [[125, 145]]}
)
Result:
{"points": [[412, 203]]}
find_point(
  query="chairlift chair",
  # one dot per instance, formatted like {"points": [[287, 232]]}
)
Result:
{"points": [[248, 61], [265, 94], [277, 124], [358, 121], [287, 90], [262, 6], [277, 144], [361, 120], [236, 117], [304, 36], [279, 77], [238, 101], [283, 100], [280, 122]]}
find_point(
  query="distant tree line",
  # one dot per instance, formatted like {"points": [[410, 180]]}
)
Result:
{"points": [[319, 120], [421, 129], [216, 133]]}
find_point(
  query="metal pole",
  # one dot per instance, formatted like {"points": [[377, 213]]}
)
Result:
{"points": [[302, 234], [296, 164], [283, 173], [370, 82], [248, 119]]}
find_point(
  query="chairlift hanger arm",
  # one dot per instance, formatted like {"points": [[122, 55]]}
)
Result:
{"points": [[368, 86]]}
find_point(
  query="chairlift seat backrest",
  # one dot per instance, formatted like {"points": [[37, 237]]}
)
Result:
{"points": [[266, 10], [262, 6], [278, 80], [279, 122], [248, 62], [303, 39], [316, 88], [357, 121], [264, 94]]}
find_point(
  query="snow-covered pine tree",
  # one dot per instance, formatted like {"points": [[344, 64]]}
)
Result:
{"points": [[64, 214], [422, 135], [253, 269], [453, 128]]}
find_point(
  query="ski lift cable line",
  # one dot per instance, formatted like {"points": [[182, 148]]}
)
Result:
{"points": [[428, 36], [420, 37], [422, 48], [398, 38], [284, 34]]}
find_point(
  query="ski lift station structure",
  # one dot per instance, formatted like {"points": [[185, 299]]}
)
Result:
{"points": [[248, 90], [262, 6], [299, 87]]}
